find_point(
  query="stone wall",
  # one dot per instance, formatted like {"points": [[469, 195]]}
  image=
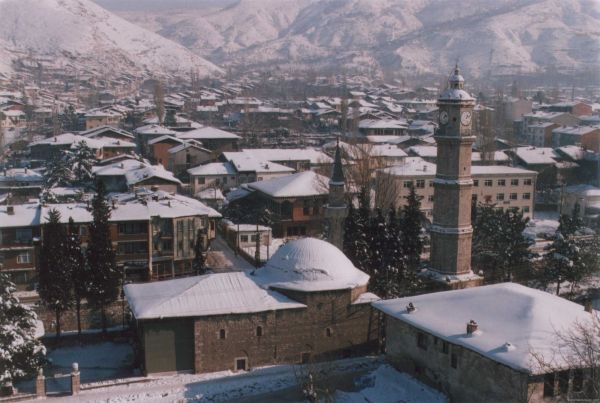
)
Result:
{"points": [[328, 328], [475, 376]]}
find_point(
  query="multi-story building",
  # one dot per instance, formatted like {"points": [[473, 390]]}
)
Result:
{"points": [[153, 234], [507, 187], [586, 136], [540, 134]]}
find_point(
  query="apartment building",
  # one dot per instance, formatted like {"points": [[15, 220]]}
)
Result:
{"points": [[153, 234], [504, 186]]}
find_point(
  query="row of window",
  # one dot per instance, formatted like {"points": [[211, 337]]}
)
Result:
{"points": [[258, 332], [420, 183], [488, 198]]}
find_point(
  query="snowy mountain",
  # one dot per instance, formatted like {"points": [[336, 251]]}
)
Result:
{"points": [[80, 33], [416, 36]]}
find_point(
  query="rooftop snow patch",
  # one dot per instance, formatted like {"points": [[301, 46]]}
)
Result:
{"points": [[528, 319], [210, 294], [310, 264], [307, 183]]}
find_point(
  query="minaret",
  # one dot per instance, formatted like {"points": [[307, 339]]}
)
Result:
{"points": [[336, 208], [451, 230]]}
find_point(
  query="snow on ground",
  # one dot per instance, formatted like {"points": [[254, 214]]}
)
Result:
{"points": [[386, 384], [222, 257], [544, 224], [371, 378]]}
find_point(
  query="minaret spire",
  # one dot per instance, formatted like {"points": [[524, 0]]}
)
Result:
{"points": [[336, 208]]}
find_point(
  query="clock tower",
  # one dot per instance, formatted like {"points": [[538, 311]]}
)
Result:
{"points": [[451, 231]]}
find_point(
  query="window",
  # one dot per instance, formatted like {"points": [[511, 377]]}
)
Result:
{"points": [[407, 184], [24, 257], [430, 198], [453, 360], [222, 334], [259, 331], [253, 238], [133, 228], [167, 245], [201, 180], [305, 358], [83, 230], [526, 209], [129, 248], [514, 182], [243, 238], [422, 340], [306, 207], [225, 180], [527, 182], [526, 196], [420, 183], [328, 332], [563, 382], [430, 184], [513, 196], [501, 182], [445, 347], [24, 235], [500, 196], [488, 182], [476, 182]]}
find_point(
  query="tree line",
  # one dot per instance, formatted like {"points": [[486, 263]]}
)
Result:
{"points": [[387, 247], [68, 274]]}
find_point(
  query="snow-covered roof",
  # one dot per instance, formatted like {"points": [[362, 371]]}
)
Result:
{"points": [[497, 156], [514, 321], [21, 175], [243, 161], [455, 94], [155, 129], [310, 264], [416, 166], [576, 153], [289, 154], [483, 170], [210, 294], [536, 155], [25, 215], [382, 124], [135, 176], [207, 133], [213, 168], [307, 183]]}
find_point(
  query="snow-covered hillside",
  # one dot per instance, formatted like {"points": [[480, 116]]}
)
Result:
{"points": [[413, 35], [82, 33]]}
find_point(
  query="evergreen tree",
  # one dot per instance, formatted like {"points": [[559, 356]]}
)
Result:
{"points": [[500, 249], [569, 225], [76, 265], [54, 278], [412, 244], [21, 353], [82, 160], [199, 262], [57, 172], [104, 275], [170, 118], [350, 231], [70, 120], [362, 242], [378, 241]]}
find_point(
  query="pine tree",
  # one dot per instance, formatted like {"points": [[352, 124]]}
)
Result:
{"points": [[569, 225], [82, 160], [76, 265], [104, 275], [500, 249], [350, 231], [57, 172], [361, 243], [378, 240], [412, 244], [199, 262], [54, 278], [170, 119], [21, 353]]}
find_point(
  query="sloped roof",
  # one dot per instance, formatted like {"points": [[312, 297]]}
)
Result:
{"points": [[207, 133], [210, 294], [526, 318], [307, 183]]}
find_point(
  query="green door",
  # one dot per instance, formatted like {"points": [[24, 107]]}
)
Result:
{"points": [[169, 346]]}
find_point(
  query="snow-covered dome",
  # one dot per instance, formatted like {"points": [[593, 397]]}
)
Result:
{"points": [[455, 90], [310, 264]]}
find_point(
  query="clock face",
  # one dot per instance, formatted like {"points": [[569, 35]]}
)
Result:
{"points": [[443, 117], [465, 118]]}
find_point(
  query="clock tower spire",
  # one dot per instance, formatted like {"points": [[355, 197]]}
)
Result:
{"points": [[451, 231]]}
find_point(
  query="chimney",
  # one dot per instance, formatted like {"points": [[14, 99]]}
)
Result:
{"points": [[10, 210], [472, 327], [588, 306], [410, 308], [26, 170]]}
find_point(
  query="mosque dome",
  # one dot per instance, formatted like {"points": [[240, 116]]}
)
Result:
{"points": [[310, 264]]}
